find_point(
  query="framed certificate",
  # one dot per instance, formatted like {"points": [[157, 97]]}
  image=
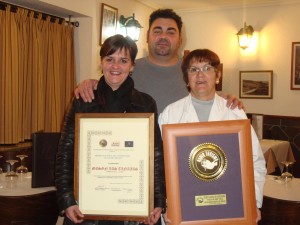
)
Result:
{"points": [[209, 173], [114, 178]]}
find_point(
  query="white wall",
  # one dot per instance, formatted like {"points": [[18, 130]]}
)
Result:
{"points": [[87, 34], [276, 27]]}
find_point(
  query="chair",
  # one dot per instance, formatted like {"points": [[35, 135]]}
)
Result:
{"points": [[257, 124], [44, 149]]}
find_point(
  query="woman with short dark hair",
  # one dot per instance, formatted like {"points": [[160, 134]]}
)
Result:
{"points": [[115, 94]]}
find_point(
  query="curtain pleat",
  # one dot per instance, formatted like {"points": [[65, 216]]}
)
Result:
{"points": [[2, 71], [37, 66]]}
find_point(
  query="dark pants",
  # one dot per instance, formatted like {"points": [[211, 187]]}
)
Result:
{"points": [[94, 222], [100, 222]]}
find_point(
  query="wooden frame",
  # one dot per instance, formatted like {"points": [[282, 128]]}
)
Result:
{"points": [[235, 138], [108, 24], [114, 172], [295, 67], [256, 84]]}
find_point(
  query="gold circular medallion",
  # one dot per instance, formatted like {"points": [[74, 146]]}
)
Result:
{"points": [[103, 143], [207, 162]]}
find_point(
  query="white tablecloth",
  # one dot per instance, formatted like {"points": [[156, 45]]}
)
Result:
{"points": [[276, 151], [20, 186], [275, 188]]}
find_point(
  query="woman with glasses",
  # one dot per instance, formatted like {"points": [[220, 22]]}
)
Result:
{"points": [[201, 73]]}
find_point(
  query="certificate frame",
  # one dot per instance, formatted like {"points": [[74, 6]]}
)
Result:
{"points": [[114, 165], [207, 131]]}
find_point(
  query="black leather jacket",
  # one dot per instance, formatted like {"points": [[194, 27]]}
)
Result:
{"points": [[140, 103]]}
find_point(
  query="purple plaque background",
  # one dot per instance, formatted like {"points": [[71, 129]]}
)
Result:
{"points": [[230, 183]]}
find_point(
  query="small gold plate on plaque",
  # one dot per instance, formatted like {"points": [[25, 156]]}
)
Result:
{"points": [[205, 200], [207, 162]]}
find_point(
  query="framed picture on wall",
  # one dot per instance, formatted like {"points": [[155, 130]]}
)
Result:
{"points": [[108, 24], [219, 85], [295, 68], [256, 84]]}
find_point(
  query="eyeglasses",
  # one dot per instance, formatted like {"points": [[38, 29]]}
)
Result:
{"points": [[205, 69]]}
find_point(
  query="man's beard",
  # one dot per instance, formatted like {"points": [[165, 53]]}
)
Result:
{"points": [[162, 47], [162, 52]]}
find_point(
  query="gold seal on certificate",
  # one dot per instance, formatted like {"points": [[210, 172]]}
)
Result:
{"points": [[207, 162], [103, 143]]}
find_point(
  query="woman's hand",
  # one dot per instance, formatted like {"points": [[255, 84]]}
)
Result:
{"points": [[258, 215], [166, 219], [154, 216], [74, 214]]}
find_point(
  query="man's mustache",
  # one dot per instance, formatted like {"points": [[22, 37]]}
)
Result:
{"points": [[163, 41]]}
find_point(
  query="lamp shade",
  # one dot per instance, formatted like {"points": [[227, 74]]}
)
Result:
{"points": [[132, 27], [245, 35]]}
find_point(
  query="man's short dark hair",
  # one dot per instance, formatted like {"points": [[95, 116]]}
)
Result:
{"points": [[166, 14]]}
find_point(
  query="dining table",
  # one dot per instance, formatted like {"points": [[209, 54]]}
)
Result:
{"points": [[275, 152], [22, 204], [281, 202]]}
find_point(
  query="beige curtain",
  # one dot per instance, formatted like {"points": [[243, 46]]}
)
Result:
{"points": [[37, 66]]}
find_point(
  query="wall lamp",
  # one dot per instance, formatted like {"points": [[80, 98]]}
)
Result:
{"points": [[132, 27], [244, 36]]}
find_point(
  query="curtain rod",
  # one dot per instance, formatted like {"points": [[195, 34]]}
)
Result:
{"points": [[36, 13]]}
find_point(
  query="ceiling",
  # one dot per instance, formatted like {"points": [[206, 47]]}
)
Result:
{"points": [[44, 7], [206, 5], [177, 5]]}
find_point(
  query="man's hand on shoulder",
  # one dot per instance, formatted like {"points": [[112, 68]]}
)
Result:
{"points": [[232, 101], [85, 90]]}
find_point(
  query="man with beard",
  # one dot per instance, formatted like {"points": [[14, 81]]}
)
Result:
{"points": [[158, 74]]}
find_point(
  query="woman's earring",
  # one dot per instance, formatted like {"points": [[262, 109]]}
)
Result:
{"points": [[130, 73], [217, 81]]}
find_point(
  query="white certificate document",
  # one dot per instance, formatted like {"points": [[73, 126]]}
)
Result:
{"points": [[115, 170]]}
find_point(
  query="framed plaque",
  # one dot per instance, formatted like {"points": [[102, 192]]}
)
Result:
{"points": [[209, 173], [114, 172]]}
